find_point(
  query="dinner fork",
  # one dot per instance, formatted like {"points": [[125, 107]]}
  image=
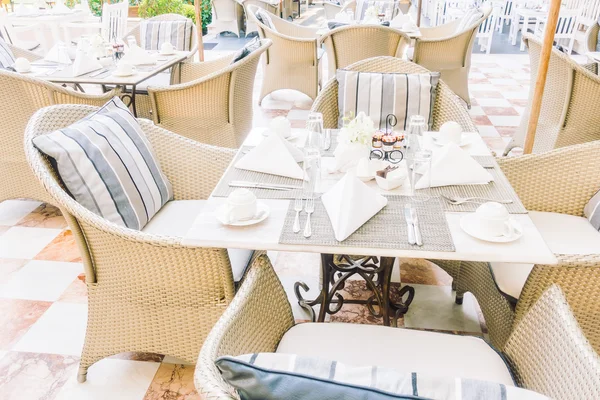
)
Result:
{"points": [[460, 200], [309, 208], [298, 209]]}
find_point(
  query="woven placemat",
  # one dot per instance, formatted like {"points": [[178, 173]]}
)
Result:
{"points": [[234, 174], [499, 189], [386, 230], [334, 143], [486, 161]]}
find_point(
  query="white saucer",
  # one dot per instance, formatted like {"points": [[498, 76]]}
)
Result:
{"points": [[468, 223], [172, 53], [262, 212], [120, 75], [464, 140]]}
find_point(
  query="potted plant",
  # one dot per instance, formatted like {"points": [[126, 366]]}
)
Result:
{"points": [[152, 8], [134, 6]]}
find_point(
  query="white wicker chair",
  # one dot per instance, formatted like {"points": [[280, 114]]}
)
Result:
{"points": [[228, 16]]}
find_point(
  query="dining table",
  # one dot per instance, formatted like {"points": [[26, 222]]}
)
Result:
{"points": [[368, 253], [106, 76]]}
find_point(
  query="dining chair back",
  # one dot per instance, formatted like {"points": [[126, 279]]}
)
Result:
{"points": [[485, 32], [266, 5], [228, 16], [590, 12], [331, 9], [114, 20], [348, 44]]}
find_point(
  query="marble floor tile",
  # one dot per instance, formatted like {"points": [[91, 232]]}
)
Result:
{"points": [[62, 248], [40, 280], [30, 376], [488, 131], [44, 216], [476, 110], [8, 266], [423, 272], [493, 102], [506, 111], [12, 211], [173, 381], [61, 330], [501, 120], [481, 120], [299, 264], [16, 317], [111, 379], [136, 356], [76, 292], [175, 360], [21, 242], [433, 308]]}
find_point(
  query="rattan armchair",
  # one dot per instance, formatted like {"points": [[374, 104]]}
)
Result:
{"points": [[560, 181], [547, 351], [272, 7], [569, 114], [349, 44], [228, 16], [443, 49], [292, 61], [590, 42], [147, 292], [213, 105], [331, 9], [21, 96]]}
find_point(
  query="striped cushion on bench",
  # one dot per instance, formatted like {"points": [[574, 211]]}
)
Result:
{"points": [[7, 58], [154, 33]]}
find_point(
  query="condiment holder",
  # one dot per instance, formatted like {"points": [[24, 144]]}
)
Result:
{"points": [[386, 146]]}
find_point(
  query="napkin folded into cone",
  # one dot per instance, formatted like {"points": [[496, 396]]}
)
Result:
{"points": [[275, 156], [137, 56], [84, 64], [349, 204], [451, 165], [59, 54]]}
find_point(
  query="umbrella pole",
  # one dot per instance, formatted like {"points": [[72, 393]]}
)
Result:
{"points": [[540, 83], [198, 8], [419, 9]]}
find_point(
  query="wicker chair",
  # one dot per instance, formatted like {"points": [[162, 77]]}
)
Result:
{"points": [[554, 187], [21, 96], [591, 38], [292, 61], [142, 101], [228, 16], [349, 44], [569, 113], [443, 49], [214, 104], [547, 351], [273, 8], [147, 291], [331, 9]]}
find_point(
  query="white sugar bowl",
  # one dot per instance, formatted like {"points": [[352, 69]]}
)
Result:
{"points": [[281, 126]]}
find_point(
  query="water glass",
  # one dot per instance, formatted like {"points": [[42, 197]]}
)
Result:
{"points": [[131, 41], [414, 136], [318, 137], [312, 171], [421, 174]]}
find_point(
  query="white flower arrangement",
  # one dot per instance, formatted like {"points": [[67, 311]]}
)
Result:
{"points": [[371, 13], [359, 130]]}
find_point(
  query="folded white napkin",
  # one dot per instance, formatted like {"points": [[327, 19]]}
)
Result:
{"points": [[61, 9], [274, 155], [349, 204], [59, 54], [451, 165], [399, 20], [347, 155], [84, 64], [137, 56]]}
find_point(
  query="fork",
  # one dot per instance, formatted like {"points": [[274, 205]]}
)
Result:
{"points": [[309, 208], [460, 200], [298, 209]]}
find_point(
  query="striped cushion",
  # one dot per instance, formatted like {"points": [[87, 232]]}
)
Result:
{"points": [[565, 25], [154, 33], [278, 375], [108, 166], [592, 210], [7, 58], [265, 17], [379, 95]]}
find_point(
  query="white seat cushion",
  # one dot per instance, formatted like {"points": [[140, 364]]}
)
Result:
{"points": [[406, 350], [563, 233], [176, 217]]}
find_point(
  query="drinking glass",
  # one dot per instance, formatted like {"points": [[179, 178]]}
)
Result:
{"points": [[318, 137], [421, 173], [131, 41], [414, 136], [312, 171]]}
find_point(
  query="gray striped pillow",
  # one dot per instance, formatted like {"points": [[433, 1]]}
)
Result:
{"points": [[279, 375], [378, 95], [592, 210], [154, 33], [7, 58], [108, 166]]}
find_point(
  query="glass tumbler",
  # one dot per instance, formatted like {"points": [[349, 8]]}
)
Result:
{"points": [[312, 172], [414, 137], [131, 41], [318, 137], [420, 176]]}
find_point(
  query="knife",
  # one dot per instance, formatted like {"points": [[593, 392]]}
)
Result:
{"points": [[257, 185], [95, 74], [409, 224], [415, 220]]}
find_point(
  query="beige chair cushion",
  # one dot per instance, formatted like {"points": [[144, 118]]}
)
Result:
{"points": [[407, 350], [563, 233], [176, 217]]}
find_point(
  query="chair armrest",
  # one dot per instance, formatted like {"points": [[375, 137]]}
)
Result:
{"points": [[254, 322], [591, 37], [193, 168], [443, 52], [562, 180], [192, 71], [326, 103], [62, 95], [29, 55], [294, 30], [441, 31], [550, 354]]}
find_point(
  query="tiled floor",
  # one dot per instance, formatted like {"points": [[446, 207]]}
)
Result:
{"points": [[43, 298]]}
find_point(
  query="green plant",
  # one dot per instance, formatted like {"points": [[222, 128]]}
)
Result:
{"points": [[95, 5], [134, 3], [152, 8], [190, 12]]}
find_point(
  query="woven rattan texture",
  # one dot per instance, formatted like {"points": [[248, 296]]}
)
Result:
{"points": [[386, 230], [499, 189]]}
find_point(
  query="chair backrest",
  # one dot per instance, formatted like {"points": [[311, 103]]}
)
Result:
{"points": [[590, 12], [550, 354], [349, 44], [331, 9], [114, 20], [135, 32], [567, 21], [488, 25], [251, 25], [224, 10], [6, 28]]}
